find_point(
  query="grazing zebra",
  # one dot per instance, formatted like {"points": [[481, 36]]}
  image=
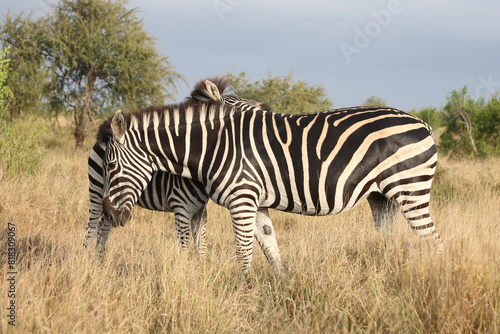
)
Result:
{"points": [[171, 193], [313, 164], [165, 192]]}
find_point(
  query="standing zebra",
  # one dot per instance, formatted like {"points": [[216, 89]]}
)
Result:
{"points": [[313, 164], [171, 193]]}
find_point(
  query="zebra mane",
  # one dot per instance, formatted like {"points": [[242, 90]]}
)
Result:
{"points": [[200, 92], [105, 133], [199, 96]]}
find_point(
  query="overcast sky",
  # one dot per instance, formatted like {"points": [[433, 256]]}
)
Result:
{"points": [[409, 52]]}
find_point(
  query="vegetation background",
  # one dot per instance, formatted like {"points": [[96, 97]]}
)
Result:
{"points": [[343, 276]]}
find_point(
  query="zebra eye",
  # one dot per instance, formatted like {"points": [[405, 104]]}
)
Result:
{"points": [[112, 164]]}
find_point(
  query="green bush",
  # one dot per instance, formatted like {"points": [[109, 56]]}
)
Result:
{"points": [[5, 92], [20, 150], [431, 116]]}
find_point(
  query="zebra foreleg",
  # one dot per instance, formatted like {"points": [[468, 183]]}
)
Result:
{"points": [[90, 232], [264, 233], [198, 229], [95, 214], [183, 228], [102, 237], [243, 217]]}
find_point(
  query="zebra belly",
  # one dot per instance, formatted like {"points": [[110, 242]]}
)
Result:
{"points": [[150, 206], [315, 209]]}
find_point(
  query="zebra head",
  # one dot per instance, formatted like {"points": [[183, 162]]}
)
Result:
{"points": [[122, 189]]}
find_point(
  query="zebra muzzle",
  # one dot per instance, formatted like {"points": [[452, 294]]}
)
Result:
{"points": [[116, 217]]}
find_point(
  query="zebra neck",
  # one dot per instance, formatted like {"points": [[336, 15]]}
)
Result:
{"points": [[183, 142]]}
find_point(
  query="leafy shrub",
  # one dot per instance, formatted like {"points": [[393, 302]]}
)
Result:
{"points": [[5, 92], [374, 101], [472, 126], [20, 150], [431, 116], [282, 93]]}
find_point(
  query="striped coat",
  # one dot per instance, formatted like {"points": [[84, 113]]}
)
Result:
{"points": [[167, 192], [314, 164]]}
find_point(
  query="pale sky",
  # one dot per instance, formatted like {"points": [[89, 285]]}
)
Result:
{"points": [[409, 52]]}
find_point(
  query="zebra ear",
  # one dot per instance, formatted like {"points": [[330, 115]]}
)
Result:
{"points": [[212, 90], [118, 125]]}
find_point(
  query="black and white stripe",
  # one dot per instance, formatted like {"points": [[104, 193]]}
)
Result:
{"points": [[250, 158], [167, 192]]}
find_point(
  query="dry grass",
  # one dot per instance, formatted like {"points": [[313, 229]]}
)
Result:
{"points": [[342, 275]]}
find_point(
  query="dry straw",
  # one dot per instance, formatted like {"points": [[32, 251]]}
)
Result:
{"points": [[343, 276]]}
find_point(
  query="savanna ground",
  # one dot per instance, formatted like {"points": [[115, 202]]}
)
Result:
{"points": [[343, 276]]}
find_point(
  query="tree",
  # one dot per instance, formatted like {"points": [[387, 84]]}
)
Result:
{"points": [[488, 127], [472, 125], [28, 79], [458, 112], [281, 93], [374, 101], [101, 58]]}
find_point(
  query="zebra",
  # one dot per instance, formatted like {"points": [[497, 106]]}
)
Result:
{"points": [[165, 192], [313, 164], [171, 193]]}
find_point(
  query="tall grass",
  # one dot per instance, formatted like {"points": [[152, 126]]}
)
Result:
{"points": [[343, 276]]}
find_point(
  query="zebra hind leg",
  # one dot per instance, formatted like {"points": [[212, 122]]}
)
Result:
{"points": [[265, 235], [415, 208], [384, 211]]}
